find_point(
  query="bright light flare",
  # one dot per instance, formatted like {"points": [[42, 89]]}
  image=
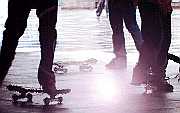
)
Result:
{"points": [[106, 88]]}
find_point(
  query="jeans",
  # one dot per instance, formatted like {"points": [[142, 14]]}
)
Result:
{"points": [[156, 32], [18, 12], [162, 57], [116, 16]]}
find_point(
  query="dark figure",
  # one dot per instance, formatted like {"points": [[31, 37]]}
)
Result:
{"points": [[18, 12], [119, 11], [156, 32]]}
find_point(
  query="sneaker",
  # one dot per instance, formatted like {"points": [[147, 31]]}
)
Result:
{"points": [[50, 88], [139, 75], [165, 87], [47, 81], [162, 87], [117, 63], [161, 84]]}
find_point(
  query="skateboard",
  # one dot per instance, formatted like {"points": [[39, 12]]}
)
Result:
{"points": [[27, 93], [84, 66]]}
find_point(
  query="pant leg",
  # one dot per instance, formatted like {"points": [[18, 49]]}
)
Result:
{"points": [[151, 33], [47, 14], [162, 59], [18, 11], [129, 15], [116, 22]]}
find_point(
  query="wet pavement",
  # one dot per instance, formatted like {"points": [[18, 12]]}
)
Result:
{"points": [[81, 36]]}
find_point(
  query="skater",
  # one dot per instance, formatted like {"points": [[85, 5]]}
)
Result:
{"points": [[156, 32], [101, 5], [18, 12], [119, 11]]}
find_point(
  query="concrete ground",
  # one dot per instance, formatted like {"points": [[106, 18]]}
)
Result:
{"points": [[99, 91]]}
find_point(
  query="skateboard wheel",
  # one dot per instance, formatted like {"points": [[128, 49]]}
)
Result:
{"points": [[60, 99], [55, 69], [29, 97], [14, 97], [46, 101], [170, 88]]}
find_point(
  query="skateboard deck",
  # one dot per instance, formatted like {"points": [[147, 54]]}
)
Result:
{"points": [[84, 66], [27, 93]]}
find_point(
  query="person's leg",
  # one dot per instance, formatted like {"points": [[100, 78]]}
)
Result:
{"points": [[162, 59], [129, 15], [159, 69], [116, 22], [151, 33], [47, 14], [15, 25]]}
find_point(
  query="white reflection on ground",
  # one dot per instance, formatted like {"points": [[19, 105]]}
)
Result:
{"points": [[106, 88], [110, 86]]}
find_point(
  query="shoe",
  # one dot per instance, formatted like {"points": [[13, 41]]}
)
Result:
{"points": [[165, 87], [47, 81], [160, 83], [139, 75], [117, 63], [162, 86], [50, 88]]}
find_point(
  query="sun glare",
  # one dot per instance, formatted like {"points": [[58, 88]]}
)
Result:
{"points": [[106, 88]]}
